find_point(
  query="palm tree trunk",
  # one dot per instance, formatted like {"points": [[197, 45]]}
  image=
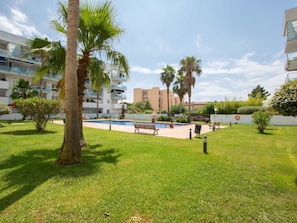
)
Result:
{"points": [[71, 150], [168, 101], [97, 105], [82, 74], [40, 87], [181, 105]]}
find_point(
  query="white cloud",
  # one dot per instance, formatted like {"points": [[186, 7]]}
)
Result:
{"points": [[18, 24]]}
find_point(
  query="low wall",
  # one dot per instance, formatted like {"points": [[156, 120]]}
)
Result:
{"points": [[247, 119]]}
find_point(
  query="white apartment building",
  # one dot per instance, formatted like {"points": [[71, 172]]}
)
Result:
{"points": [[290, 32], [14, 66]]}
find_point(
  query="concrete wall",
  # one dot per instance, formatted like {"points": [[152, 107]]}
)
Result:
{"points": [[247, 119]]}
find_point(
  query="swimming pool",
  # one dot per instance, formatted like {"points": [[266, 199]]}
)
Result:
{"points": [[129, 123]]}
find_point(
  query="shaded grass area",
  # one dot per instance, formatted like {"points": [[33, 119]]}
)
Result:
{"points": [[126, 177]]}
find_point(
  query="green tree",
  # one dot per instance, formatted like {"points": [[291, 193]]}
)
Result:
{"points": [[167, 77], [261, 119], [284, 99], [70, 152], [38, 47], [189, 67], [39, 109], [23, 89], [180, 89], [177, 109], [99, 79], [260, 91], [97, 30]]}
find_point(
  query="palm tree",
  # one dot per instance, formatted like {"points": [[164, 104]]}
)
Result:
{"points": [[180, 89], [22, 89], [190, 66], [97, 29], [167, 77], [99, 78], [39, 47], [71, 149]]}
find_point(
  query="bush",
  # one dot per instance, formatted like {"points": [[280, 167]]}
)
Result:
{"points": [[249, 109], [4, 109], [261, 119], [39, 109], [147, 111], [177, 109], [182, 119], [164, 118]]}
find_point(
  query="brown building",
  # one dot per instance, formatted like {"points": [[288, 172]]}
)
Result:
{"points": [[156, 97]]}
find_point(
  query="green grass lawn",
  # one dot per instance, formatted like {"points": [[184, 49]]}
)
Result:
{"points": [[127, 177]]}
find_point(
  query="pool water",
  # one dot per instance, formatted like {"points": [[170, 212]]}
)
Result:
{"points": [[130, 123]]}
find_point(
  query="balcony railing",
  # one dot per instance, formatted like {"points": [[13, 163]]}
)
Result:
{"points": [[119, 96], [44, 89], [117, 87], [8, 55]]}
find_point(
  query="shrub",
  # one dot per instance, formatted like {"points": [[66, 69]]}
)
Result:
{"points": [[164, 118], [284, 100], [261, 119], [4, 109], [39, 109], [249, 109], [182, 119]]}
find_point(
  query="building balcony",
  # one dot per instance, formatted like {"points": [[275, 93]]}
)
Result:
{"points": [[4, 85], [116, 106], [118, 77], [6, 56], [4, 100], [291, 65], [92, 94], [291, 46], [119, 96], [44, 89], [90, 104], [291, 77], [118, 88]]}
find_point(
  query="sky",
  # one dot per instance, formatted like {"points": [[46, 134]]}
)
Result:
{"points": [[240, 42]]}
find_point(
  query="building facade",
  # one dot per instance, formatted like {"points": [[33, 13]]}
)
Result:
{"points": [[14, 66], [290, 32], [156, 97]]}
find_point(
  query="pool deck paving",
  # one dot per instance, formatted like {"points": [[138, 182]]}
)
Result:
{"points": [[180, 132]]}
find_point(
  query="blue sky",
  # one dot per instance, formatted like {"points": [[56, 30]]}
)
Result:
{"points": [[239, 42]]}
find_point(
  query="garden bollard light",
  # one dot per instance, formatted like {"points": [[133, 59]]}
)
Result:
{"points": [[190, 133], [205, 144]]}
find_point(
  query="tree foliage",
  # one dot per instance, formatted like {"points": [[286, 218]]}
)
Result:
{"points": [[189, 67], [39, 109], [261, 119], [22, 89], [260, 92], [167, 77], [284, 99], [177, 109]]}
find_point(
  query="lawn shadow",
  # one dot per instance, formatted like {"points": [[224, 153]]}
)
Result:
{"points": [[27, 132], [28, 170]]}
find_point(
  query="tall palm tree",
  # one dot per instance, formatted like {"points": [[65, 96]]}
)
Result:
{"points": [[167, 77], [189, 67], [96, 32], [180, 89], [71, 148]]}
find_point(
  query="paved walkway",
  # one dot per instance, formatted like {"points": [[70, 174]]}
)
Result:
{"points": [[181, 132]]}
